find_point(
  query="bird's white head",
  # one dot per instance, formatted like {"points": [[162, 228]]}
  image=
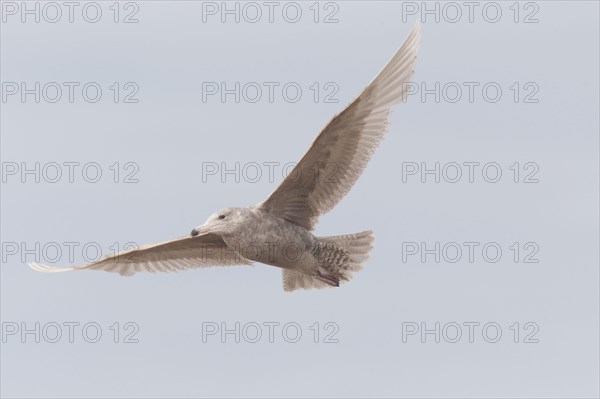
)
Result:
{"points": [[222, 222]]}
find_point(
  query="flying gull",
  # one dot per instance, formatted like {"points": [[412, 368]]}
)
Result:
{"points": [[277, 231]]}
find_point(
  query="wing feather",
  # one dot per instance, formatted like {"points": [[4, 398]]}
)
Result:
{"points": [[339, 154], [168, 256]]}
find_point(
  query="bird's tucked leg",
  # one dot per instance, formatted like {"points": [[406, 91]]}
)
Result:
{"points": [[326, 277]]}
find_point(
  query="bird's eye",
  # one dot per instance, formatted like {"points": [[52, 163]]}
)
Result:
{"points": [[221, 217]]}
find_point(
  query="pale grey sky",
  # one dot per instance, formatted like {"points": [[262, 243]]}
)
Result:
{"points": [[540, 132]]}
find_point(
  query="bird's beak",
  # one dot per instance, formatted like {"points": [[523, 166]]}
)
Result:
{"points": [[201, 230]]}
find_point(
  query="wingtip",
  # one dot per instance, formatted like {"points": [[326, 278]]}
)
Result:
{"points": [[416, 30], [39, 267], [414, 35]]}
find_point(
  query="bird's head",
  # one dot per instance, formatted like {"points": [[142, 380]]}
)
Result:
{"points": [[222, 222]]}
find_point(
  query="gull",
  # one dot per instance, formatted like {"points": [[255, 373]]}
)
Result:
{"points": [[278, 231]]}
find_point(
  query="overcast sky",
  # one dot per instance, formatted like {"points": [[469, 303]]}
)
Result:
{"points": [[133, 123]]}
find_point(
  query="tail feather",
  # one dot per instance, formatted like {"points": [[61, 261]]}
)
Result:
{"points": [[338, 257], [357, 246]]}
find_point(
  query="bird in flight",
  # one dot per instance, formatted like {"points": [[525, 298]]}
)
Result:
{"points": [[277, 231]]}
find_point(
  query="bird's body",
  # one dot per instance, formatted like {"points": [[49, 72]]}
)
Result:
{"points": [[254, 234], [278, 231], [263, 238]]}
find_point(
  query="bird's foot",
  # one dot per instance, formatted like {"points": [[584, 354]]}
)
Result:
{"points": [[326, 277]]}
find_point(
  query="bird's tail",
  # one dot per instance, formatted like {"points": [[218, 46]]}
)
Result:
{"points": [[338, 257]]}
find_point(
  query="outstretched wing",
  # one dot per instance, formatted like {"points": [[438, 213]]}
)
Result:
{"points": [[168, 256], [341, 151]]}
